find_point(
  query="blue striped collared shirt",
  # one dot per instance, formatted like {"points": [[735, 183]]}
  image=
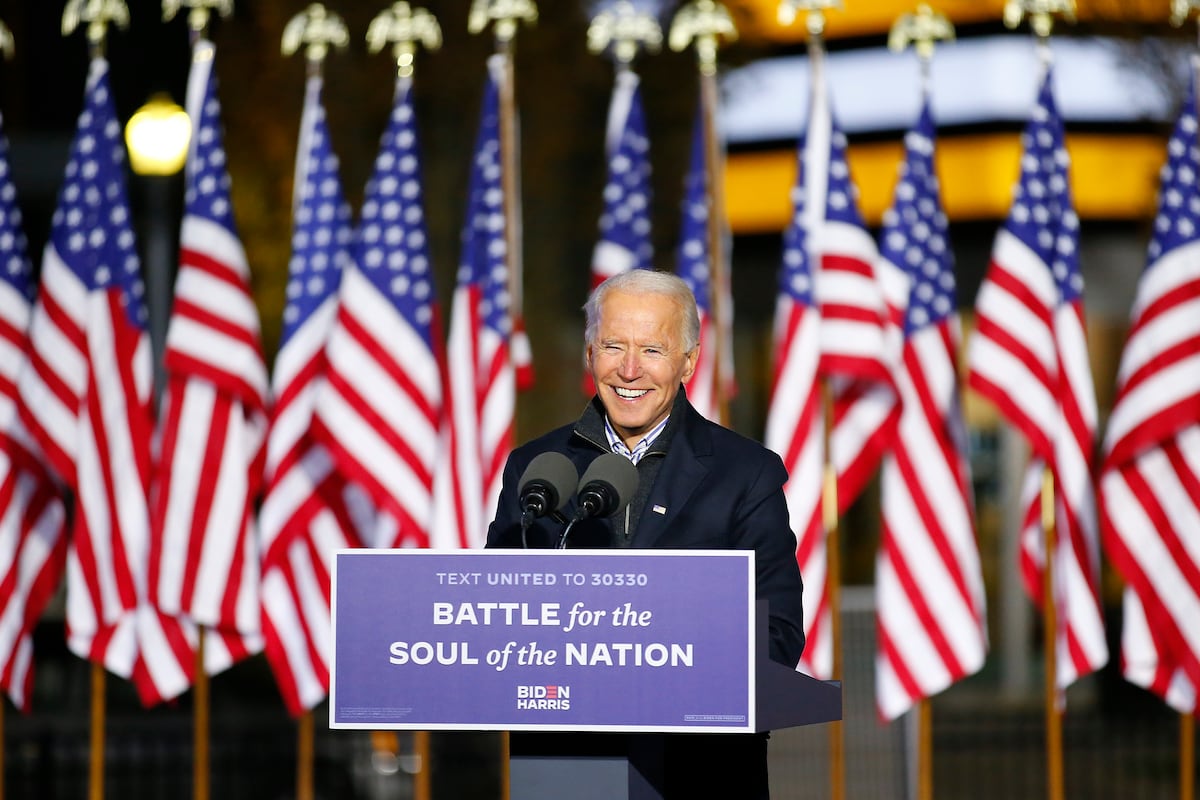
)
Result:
{"points": [[619, 447]]}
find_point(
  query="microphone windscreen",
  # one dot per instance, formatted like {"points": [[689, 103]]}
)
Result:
{"points": [[616, 471], [554, 470]]}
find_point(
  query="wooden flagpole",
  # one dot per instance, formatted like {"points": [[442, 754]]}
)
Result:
{"points": [[924, 711], [922, 30], [304, 757], [98, 16], [200, 724], [96, 739], [1054, 759], [705, 23], [1187, 757], [506, 16], [316, 30]]}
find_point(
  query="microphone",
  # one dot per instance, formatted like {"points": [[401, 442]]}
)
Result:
{"points": [[607, 486], [546, 485]]}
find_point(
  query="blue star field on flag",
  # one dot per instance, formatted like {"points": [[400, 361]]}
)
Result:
{"points": [[693, 256], [393, 247], [915, 233], [15, 266], [1042, 214], [485, 249], [91, 227], [208, 186], [796, 277], [626, 218], [1178, 219], [841, 202], [322, 232]]}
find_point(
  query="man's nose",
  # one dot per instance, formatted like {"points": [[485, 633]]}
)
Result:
{"points": [[631, 365]]}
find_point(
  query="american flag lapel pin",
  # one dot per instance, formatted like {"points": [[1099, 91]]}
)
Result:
{"points": [[660, 509]]}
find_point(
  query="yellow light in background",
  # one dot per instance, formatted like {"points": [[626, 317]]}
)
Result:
{"points": [[157, 136]]}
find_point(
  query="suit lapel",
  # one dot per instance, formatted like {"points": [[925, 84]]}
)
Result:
{"points": [[684, 467]]}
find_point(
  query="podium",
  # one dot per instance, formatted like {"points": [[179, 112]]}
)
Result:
{"points": [[611, 646]]}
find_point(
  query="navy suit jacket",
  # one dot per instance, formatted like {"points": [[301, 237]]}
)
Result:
{"points": [[716, 490]]}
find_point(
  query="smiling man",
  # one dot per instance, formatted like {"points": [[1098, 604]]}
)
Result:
{"points": [[700, 486]]}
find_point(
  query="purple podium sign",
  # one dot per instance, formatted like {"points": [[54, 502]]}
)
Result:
{"points": [[583, 640]]}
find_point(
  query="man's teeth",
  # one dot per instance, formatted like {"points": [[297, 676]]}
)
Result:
{"points": [[629, 394]]}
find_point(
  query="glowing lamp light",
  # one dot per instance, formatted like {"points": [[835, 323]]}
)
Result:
{"points": [[157, 136]]}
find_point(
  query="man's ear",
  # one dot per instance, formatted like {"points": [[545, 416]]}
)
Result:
{"points": [[690, 367]]}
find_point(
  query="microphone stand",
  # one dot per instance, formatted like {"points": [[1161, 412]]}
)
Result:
{"points": [[562, 540], [527, 517]]}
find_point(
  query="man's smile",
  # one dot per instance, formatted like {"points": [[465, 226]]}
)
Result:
{"points": [[629, 394]]}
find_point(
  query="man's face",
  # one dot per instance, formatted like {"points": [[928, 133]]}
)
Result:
{"points": [[637, 360]]}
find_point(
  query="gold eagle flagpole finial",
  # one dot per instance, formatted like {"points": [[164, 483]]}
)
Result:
{"points": [[923, 30], [626, 30], [7, 43], [404, 27], [814, 20], [1181, 10], [199, 14], [506, 14], [97, 14], [704, 22], [316, 29], [1040, 12]]}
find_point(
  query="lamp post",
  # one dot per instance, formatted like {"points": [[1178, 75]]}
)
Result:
{"points": [[157, 137]]}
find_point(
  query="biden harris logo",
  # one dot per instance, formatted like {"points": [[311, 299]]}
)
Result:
{"points": [[543, 698]]}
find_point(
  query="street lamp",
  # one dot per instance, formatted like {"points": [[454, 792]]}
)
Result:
{"points": [[158, 136]]}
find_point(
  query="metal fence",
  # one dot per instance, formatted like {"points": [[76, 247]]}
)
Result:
{"points": [[1119, 743]]}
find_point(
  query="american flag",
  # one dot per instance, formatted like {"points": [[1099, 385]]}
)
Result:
{"points": [[795, 429], [204, 561], [929, 583], [481, 386], [625, 224], [693, 264], [859, 302], [380, 409], [86, 399], [832, 321], [32, 519], [1029, 357], [1149, 506], [309, 510]]}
